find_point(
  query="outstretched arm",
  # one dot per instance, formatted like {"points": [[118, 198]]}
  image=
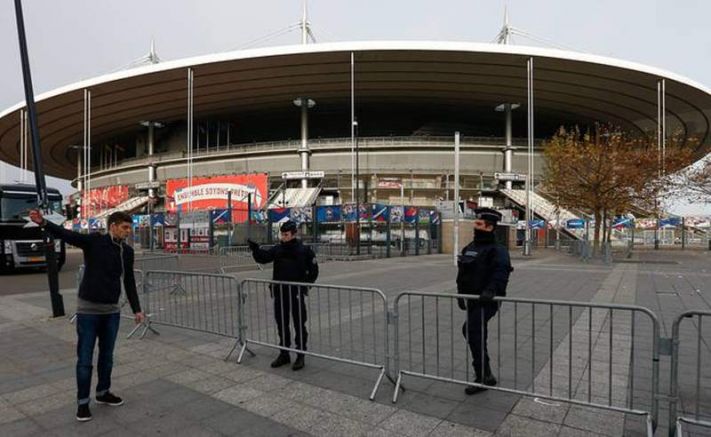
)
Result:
{"points": [[260, 255], [74, 238]]}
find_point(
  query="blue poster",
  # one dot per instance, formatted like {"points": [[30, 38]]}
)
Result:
{"points": [[623, 222], [575, 224], [424, 216], [410, 214], [301, 215], [328, 213], [670, 222], [380, 212], [538, 224], [158, 219], [219, 216], [396, 214], [278, 215], [434, 217], [349, 212], [365, 211]]}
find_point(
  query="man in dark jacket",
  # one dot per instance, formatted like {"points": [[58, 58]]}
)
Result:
{"points": [[483, 269], [293, 262], [108, 264]]}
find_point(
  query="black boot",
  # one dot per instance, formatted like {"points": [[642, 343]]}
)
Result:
{"points": [[299, 363], [488, 380], [282, 359]]}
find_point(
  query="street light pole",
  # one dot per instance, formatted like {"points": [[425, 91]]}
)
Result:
{"points": [[40, 182]]}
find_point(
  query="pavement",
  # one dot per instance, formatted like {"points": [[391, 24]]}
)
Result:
{"points": [[178, 382]]}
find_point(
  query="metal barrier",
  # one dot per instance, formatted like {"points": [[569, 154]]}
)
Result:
{"points": [[156, 262], [593, 364], [232, 257], [700, 396], [344, 324], [197, 301]]}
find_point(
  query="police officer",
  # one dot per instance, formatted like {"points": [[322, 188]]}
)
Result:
{"points": [[293, 262], [483, 269]]}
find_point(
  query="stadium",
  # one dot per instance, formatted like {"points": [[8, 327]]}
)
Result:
{"points": [[296, 126]]}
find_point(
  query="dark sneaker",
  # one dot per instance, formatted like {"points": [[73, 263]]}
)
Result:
{"points": [[472, 390], [299, 363], [108, 398], [83, 413], [281, 360]]}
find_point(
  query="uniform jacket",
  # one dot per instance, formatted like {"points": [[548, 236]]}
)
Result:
{"points": [[105, 262], [293, 261], [483, 269]]}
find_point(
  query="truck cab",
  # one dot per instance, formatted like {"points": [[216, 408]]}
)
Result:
{"points": [[23, 247]]}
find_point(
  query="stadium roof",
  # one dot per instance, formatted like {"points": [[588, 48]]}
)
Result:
{"points": [[567, 85]]}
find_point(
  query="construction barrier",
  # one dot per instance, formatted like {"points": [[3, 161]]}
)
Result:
{"points": [[344, 324], [587, 360]]}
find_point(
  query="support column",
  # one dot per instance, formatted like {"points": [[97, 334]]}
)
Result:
{"points": [[507, 109], [151, 166], [304, 152], [529, 173]]}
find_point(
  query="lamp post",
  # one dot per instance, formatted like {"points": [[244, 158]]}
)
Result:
{"points": [[40, 182]]}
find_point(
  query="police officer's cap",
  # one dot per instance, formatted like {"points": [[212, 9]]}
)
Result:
{"points": [[488, 214], [288, 226]]}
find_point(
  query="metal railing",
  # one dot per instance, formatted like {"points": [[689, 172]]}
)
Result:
{"points": [[157, 262], [202, 302], [690, 413], [339, 323], [590, 366], [319, 143]]}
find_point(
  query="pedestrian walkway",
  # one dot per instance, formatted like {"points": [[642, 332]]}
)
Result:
{"points": [[178, 382]]}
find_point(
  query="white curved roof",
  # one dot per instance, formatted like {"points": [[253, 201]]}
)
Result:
{"points": [[576, 85]]}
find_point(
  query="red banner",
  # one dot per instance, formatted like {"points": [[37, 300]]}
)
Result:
{"points": [[101, 199], [211, 193]]}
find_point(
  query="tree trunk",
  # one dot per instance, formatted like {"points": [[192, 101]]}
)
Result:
{"points": [[596, 233]]}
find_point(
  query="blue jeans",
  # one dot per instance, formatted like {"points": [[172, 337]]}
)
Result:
{"points": [[91, 327]]}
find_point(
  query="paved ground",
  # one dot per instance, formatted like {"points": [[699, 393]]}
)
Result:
{"points": [[178, 382]]}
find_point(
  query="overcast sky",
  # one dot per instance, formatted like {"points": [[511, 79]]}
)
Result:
{"points": [[70, 40]]}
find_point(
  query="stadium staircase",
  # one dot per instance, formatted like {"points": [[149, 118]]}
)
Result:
{"points": [[294, 197], [130, 205], [546, 210]]}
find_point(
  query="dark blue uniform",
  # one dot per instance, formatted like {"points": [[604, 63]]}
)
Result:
{"points": [[483, 269], [293, 262]]}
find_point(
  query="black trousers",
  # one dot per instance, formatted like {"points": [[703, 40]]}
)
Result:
{"points": [[476, 332], [289, 303]]}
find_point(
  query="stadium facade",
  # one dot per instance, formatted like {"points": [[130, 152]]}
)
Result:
{"points": [[264, 112]]}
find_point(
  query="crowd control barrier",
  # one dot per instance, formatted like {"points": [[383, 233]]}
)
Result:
{"points": [[696, 394], [198, 301], [344, 324], [577, 352]]}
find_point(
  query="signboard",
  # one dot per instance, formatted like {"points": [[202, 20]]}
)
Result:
{"points": [[101, 199], [575, 224], [303, 175], [486, 202], [147, 185], [211, 193], [390, 183], [509, 176]]}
